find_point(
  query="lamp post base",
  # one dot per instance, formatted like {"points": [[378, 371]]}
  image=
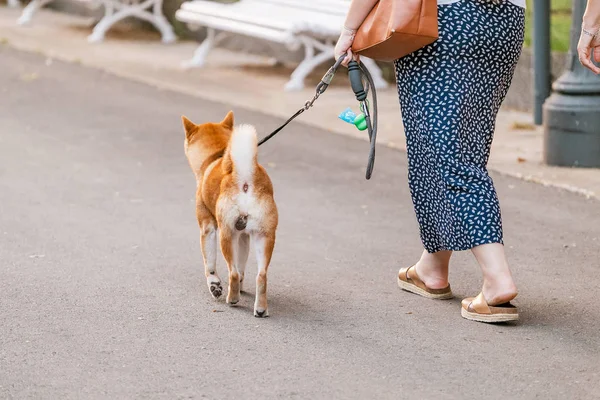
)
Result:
{"points": [[572, 130]]}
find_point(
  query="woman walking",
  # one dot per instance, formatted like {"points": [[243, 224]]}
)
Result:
{"points": [[450, 92]]}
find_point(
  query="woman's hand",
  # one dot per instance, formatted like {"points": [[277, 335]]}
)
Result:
{"points": [[358, 11], [588, 41], [344, 46]]}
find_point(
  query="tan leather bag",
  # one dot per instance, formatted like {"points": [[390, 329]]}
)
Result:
{"points": [[395, 28]]}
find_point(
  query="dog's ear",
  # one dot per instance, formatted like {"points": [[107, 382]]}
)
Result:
{"points": [[228, 121], [188, 125]]}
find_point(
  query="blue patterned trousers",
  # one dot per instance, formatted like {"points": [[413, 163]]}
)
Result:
{"points": [[450, 93]]}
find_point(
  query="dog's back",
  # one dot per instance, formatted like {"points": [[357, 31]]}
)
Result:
{"points": [[224, 160]]}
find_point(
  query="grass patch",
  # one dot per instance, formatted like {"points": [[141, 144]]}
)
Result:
{"points": [[560, 24]]}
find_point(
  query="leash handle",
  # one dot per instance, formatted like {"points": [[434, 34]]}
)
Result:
{"points": [[371, 121], [355, 76], [356, 72]]}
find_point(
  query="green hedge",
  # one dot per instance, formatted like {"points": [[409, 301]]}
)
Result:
{"points": [[560, 24]]}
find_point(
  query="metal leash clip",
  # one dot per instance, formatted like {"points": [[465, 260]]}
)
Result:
{"points": [[325, 82], [309, 103]]}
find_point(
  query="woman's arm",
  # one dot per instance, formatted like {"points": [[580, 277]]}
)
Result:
{"points": [[590, 36], [591, 18], [358, 11]]}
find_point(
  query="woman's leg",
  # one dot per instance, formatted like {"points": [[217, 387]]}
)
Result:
{"points": [[498, 284], [425, 183]]}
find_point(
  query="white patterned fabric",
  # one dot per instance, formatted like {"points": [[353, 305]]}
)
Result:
{"points": [[520, 3], [450, 93]]}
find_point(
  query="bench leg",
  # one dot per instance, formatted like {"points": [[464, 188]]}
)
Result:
{"points": [[139, 11], [162, 24], [14, 3], [199, 58], [376, 73], [309, 62], [30, 9]]}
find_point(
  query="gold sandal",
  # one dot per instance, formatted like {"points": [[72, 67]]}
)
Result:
{"points": [[477, 309], [408, 280]]}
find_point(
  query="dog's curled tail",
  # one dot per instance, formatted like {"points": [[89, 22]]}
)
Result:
{"points": [[240, 157]]}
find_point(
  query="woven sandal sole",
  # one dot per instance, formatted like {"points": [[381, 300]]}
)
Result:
{"points": [[489, 318], [417, 290]]}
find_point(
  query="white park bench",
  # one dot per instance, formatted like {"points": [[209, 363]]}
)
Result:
{"points": [[312, 24], [114, 11]]}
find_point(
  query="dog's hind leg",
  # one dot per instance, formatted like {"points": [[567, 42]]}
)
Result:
{"points": [[229, 249], [243, 249], [264, 245], [208, 245], [208, 241]]}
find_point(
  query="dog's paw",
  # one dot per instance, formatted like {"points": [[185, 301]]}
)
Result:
{"points": [[261, 313], [233, 301], [216, 289], [233, 297], [233, 294]]}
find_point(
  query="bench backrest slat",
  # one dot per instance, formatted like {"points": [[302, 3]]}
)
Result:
{"points": [[273, 14], [324, 6]]}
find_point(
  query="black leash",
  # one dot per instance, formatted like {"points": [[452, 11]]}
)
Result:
{"points": [[356, 72]]}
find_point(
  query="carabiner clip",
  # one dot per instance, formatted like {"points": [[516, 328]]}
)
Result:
{"points": [[328, 77]]}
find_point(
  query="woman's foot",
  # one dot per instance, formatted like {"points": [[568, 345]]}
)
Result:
{"points": [[499, 292], [492, 304], [428, 277], [477, 309], [409, 280], [498, 284], [432, 269]]}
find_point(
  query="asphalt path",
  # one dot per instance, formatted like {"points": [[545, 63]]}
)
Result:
{"points": [[102, 292]]}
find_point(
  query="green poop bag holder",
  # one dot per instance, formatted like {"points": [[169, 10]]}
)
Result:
{"points": [[360, 121]]}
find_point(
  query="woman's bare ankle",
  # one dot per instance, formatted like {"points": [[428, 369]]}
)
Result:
{"points": [[432, 269], [432, 282]]}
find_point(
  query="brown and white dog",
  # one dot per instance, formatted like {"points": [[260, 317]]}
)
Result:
{"points": [[234, 199]]}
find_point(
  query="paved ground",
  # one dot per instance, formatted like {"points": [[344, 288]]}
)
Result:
{"points": [[101, 284]]}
